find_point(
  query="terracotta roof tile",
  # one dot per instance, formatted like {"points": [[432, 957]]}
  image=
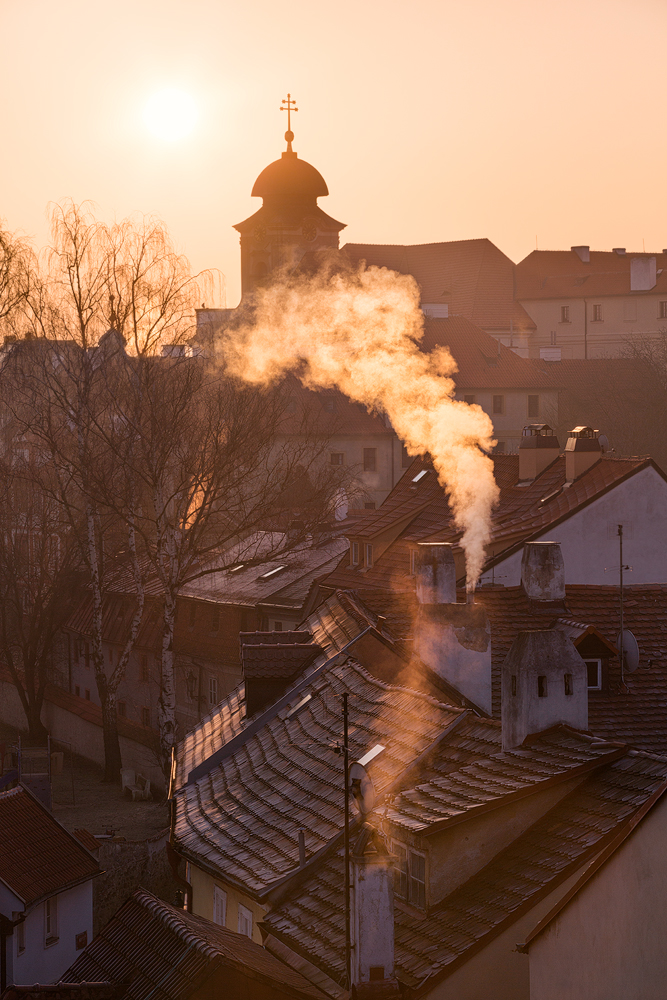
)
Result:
{"points": [[548, 274], [38, 857]]}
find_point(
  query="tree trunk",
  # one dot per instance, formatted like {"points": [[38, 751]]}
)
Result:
{"points": [[112, 756], [167, 700], [36, 728]]}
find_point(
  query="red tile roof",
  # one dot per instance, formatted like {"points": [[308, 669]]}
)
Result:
{"points": [[161, 951], [38, 856], [484, 363], [278, 660], [473, 277], [549, 274]]}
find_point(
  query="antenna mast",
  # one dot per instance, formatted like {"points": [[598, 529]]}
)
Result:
{"points": [[620, 590]]}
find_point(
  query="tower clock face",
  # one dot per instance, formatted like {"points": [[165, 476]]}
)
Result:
{"points": [[259, 234], [309, 231]]}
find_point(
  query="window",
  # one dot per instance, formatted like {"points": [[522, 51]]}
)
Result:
{"points": [[553, 338], [87, 656], [87, 695], [565, 314], [663, 310], [215, 618], [533, 406], [20, 933], [498, 404], [354, 553], [370, 459], [469, 400], [121, 708], [594, 671], [406, 459], [369, 505], [597, 314], [146, 717], [77, 690], [400, 870], [500, 448], [369, 556], [541, 687], [271, 572], [567, 681], [413, 562], [417, 880], [219, 906], [277, 626], [245, 921], [144, 668], [213, 690], [337, 458], [50, 921]]}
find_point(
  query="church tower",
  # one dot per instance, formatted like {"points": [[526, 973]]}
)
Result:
{"points": [[290, 223]]}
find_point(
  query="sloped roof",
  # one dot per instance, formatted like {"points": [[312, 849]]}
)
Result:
{"points": [[548, 274], [483, 362], [522, 512], [38, 857], [243, 816], [310, 919], [473, 277], [276, 660], [160, 951]]}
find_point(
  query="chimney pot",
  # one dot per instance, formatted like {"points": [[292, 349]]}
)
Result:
{"points": [[436, 573], [583, 449], [583, 253], [544, 682], [538, 448], [543, 571]]}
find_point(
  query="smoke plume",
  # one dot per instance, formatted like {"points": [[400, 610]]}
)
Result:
{"points": [[359, 332]]}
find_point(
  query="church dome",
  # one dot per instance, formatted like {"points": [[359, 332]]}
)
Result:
{"points": [[289, 177]]}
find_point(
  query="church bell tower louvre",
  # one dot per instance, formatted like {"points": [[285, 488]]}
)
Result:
{"points": [[290, 223]]}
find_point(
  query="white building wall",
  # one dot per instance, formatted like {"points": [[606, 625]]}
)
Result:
{"points": [[589, 539], [609, 942], [40, 964]]}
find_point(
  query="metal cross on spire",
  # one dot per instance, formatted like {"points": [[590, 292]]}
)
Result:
{"points": [[289, 106]]}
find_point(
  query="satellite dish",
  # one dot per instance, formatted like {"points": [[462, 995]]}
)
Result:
{"points": [[362, 788], [627, 641], [604, 442]]}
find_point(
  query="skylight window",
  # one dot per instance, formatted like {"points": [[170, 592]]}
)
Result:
{"points": [[371, 755], [272, 572], [420, 475], [299, 704], [236, 568]]}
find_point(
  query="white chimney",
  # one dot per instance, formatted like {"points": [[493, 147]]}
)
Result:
{"points": [[538, 448], [544, 681], [643, 274], [583, 449], [372, 915], [436, 573], [583, 253], [454, 640], [543, 571]]}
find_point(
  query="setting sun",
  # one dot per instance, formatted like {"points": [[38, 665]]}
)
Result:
{"points": [[171, 114]]}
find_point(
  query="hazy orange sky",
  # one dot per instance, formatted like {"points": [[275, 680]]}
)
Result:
{"points": [[429, 120]]}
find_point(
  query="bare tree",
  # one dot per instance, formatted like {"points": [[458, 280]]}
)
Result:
{"points": [[17, 270]]}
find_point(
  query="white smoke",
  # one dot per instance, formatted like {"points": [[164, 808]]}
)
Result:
{"points": [[359, 332]]}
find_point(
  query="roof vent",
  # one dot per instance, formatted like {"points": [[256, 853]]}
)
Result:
{"points": [[620, 251], [583, 253], [538, 448], [583, 449]]}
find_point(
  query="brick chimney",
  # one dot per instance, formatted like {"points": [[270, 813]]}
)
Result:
{"points": [[453, 640], [543, 571], [372, 916], [537, 449], [543, 682], [271, 661], [583, 449]]}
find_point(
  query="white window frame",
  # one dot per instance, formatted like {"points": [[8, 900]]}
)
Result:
{"points": [[245, 921], [50, 921], [598, 686], [219, 906], [213, 691], [413, 879], [401, 871], [369, 555], [354, 553]]}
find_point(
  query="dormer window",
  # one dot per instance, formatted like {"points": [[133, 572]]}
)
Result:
{"points": [[594, 671], [354, 553], [409, 875]]}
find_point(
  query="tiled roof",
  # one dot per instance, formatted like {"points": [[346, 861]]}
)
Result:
{"points": [[38, 857], [447, 791], [167, 954], [473, 277], [311, 917], [548, 274], [66, 991], [482, 362], [277, 660], [586, 377], [242, 818], [522, 512]]}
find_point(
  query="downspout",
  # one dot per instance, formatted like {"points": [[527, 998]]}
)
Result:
{"points": [[585, 329]]}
